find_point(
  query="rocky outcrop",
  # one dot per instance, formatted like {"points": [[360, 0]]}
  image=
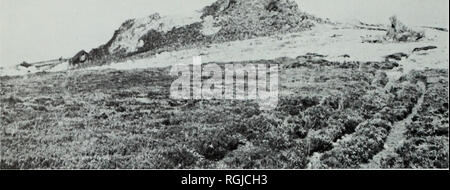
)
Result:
{"points": [[137, 35], [242, 19], [224, 20], [398, 32]]}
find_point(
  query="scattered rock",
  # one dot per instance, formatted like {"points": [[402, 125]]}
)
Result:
{"points": [[345, 56], [312, 59], [336, 35], [424, 48], [385, 65], [315, 55], [396, 56], [437, 28], [372, 39], [25, 64], [308, 60], [366, 26]]}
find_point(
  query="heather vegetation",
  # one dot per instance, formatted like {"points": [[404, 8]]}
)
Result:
{"points": [[125, 119], [426, 145]]}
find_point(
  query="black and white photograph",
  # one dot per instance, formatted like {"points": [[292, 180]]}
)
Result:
{"points": [[224, 85]]}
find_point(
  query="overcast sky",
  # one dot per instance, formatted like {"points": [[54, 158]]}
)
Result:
{"points": [[33, 30]]}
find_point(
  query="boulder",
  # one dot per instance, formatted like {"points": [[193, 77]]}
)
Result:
{"points": [[396, 56], [398, 32], [79, 58], [25, 64], [426, 48]]}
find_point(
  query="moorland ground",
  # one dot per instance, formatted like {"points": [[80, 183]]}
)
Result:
{"points": [[329, 115]]}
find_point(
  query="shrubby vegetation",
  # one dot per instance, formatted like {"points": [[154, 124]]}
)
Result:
{"points": [[367, 140], [419, 153], [90, 120], [427, 133]]}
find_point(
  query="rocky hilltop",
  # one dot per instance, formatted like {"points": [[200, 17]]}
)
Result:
{"points": [[224, 20]]}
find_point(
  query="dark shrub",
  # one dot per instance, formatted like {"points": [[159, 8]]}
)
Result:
{"points": [[176, 157], [215, 144], [295, 105], [321, 140], [252, 157], [256, 127], [349, 118], [296, 127], [374, 101], [316, 117], [406, 96], [332, 102], [429, 152], [367, 141], [381, 79], [426, 126]]}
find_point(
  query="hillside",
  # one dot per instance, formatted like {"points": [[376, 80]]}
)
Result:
{"points": [[330, 115], [350, 95]]}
